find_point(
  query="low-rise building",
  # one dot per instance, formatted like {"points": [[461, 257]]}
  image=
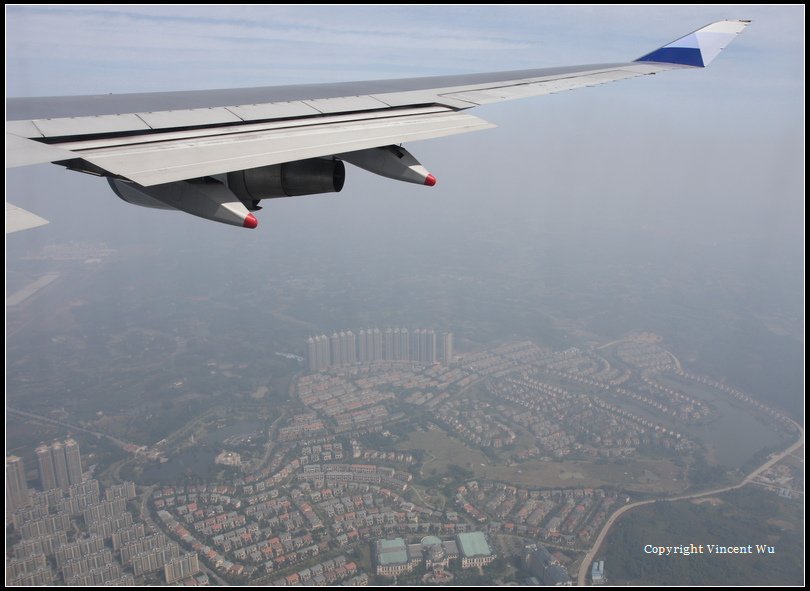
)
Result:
{"points": [[392, 558], [598, 572], [474, 549]]}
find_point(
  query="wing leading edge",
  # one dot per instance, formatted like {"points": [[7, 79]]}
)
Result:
{"points": [[159, 138]]}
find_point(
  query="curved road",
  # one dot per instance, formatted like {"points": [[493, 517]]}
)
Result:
{"points": [[589, 557], [630, 339]]}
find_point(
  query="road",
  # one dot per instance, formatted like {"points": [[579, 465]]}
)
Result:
{"points": [[120, 443], [606, 345], [589, 557], [146, 517], [677, 362], [675, 359], [271, 438], [422, 499]]}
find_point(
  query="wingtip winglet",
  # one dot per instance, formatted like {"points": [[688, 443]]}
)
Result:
{"points": [[699, 48]]}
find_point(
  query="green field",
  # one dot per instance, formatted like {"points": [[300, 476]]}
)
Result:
{"points": [[443, 450], [646, 476]]}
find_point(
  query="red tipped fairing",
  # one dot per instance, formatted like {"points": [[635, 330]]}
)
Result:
{"points": [[393, 162], [250, 221]]}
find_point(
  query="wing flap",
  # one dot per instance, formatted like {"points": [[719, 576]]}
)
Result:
{"points": [[22, 151], [155, 163], [189, 118], [273, 111], [23, 129], [80, 144], [346, 104], [522, 84], [68, 126]]}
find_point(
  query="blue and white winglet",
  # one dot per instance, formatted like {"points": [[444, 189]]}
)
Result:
{"points": [[698, 49]]}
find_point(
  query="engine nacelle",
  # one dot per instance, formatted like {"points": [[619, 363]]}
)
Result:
{"points": [[393, 162], [303, 177], [206, 198], [136, 195]]}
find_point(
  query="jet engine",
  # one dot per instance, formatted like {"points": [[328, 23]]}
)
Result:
{"points": [[302, 177]]}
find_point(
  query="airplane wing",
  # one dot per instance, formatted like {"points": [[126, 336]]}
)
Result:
{"points": [[18, 219], [217, 153]]}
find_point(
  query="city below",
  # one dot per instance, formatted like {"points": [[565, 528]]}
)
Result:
{"points": [[398, 459]]}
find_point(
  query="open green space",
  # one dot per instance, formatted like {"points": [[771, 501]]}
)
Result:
{"points": [[644, 476]]}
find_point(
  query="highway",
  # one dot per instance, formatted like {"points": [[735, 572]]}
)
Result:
{"points": [[120, 443], [591, 555]]}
